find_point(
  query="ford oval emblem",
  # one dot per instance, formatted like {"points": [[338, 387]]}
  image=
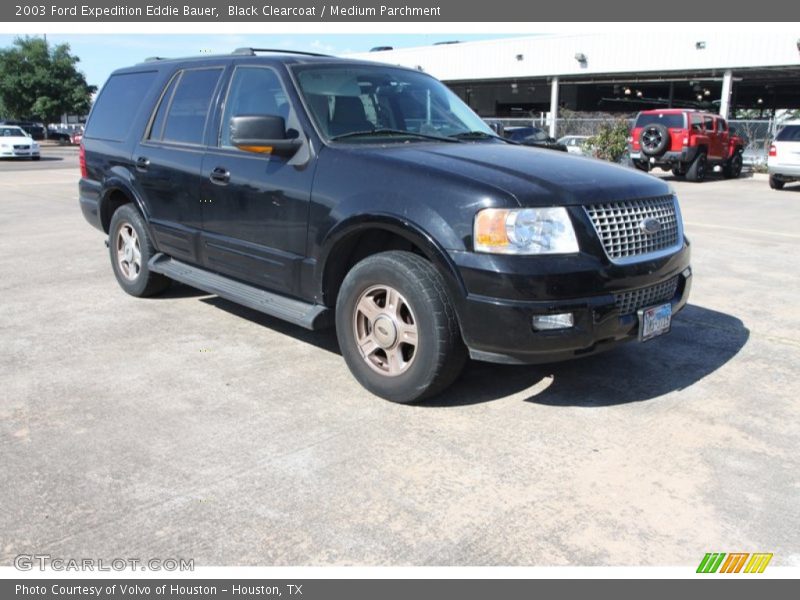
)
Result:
{"points": [[650, 226]]}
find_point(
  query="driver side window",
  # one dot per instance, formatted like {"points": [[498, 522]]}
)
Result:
{"points": [[252, 91]]}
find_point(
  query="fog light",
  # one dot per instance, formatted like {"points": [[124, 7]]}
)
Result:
{"points": [[687, 272], [550, 322]]}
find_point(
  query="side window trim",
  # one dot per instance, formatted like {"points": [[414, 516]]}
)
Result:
{"points": [[148, 133], [217, 141], [209, 109]]}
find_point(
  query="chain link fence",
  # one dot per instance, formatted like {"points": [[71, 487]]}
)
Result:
{"points": [[757, 134]]}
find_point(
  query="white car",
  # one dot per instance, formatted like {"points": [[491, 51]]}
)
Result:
{"points": [[575, 143], [783, 162], [16, 143]]}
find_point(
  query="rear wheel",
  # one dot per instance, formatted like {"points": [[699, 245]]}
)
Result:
{"points": [[697, 170], [397, 330], [130, 248], [679, 171], [775, 183]]}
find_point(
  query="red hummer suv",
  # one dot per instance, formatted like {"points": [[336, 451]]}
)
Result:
{"points": [[685, 141]]}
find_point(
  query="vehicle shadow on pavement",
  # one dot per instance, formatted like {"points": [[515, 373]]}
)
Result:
{"points": [[701, 341]]}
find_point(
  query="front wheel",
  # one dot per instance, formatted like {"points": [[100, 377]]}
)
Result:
{"points": [[397, 331], [697, 170]]}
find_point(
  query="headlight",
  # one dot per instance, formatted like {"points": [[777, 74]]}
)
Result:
{"points": [[5, 146], [524, 231]]}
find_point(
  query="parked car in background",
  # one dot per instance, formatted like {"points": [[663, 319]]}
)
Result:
{"points": [[61, 137], [76, 138], [576, 144], [15, 142], [533, 136], [783, 162], [35, 130], [688, 142]]}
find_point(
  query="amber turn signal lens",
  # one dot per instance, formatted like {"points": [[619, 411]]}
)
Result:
{"points": [[490, 228]]}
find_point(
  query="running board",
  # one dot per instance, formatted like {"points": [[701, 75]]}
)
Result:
{"points": [[310, 316]]}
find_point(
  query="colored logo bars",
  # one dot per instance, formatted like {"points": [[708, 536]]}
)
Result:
{"points": [[734, 562]]}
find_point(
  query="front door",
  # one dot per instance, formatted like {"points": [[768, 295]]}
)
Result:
{"points": [[255, 206]]}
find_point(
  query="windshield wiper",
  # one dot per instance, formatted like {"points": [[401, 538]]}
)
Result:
{"points": [[387, 131], [472, 135]]}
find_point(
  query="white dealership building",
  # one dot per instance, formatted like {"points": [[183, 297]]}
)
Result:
{"points": [[647, 67]]}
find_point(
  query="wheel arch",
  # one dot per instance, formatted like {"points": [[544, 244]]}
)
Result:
{"points": [[117, 192], [363, 236]]}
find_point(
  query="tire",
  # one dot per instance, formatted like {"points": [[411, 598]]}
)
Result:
{"points": [[733, 167], [776, 184], [697, 170], [395, 370], [642, 166], [654, 139], [679, 172], [129, 239]]}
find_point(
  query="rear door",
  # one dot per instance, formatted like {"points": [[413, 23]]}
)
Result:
{"points": [[255, 206], [168, 160]]}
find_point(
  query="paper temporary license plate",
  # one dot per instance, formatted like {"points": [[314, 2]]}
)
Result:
{"points": [[654, 321]]}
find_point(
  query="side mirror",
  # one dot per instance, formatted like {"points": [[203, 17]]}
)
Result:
{"points": [[262, 134]]}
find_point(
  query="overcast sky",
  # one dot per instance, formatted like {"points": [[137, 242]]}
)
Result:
{"points": [[101, 54]]}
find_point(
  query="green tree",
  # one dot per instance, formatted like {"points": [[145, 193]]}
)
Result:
{"points": [[42, 82], [611, 141]]}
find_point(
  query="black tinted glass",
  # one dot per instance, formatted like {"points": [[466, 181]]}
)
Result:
{"points": [[790, 133], [117, 104], [158, 123], [667, 120], [186, 119]]}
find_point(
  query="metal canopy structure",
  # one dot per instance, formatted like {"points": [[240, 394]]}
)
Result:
{"points": [[613, 72]]}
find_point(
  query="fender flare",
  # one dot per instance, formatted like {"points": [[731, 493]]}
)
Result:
{"points": [[404, 228]]}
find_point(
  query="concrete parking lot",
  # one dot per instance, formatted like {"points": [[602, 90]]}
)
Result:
{"points": [[186, 426]]}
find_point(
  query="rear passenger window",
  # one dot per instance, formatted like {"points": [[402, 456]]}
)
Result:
{"points": [[709, 123], [117, 104], [188, 109]]}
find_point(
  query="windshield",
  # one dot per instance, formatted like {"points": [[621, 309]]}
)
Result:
{"points": [[12, 132], [403, 105]]}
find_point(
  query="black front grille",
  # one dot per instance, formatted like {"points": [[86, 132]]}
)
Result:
{"points": [[619, 225], [22, 147], [631, 301]]}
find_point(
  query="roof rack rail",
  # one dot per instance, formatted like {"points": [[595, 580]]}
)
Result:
{"points": [[252, 52], [154, 58]]}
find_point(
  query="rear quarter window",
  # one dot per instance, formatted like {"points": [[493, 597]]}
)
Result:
{"points": [[117, 105], [790, 133]]}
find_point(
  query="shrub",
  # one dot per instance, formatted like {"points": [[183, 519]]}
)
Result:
{"points": [[611, 141]]}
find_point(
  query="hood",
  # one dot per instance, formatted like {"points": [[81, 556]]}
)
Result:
{"points": [[534, 176]]}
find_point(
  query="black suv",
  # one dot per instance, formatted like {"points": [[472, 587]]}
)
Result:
{"points": [[326, 192]]}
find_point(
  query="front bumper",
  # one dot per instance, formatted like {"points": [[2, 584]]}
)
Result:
{"points": [[500, 330], [12, 153]]}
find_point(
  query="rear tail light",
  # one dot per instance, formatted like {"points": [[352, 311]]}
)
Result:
{"points": [[82, 162], [773, 151]]}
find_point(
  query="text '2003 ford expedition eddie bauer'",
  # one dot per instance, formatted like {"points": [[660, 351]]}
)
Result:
{"points": [[336, 192]]}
